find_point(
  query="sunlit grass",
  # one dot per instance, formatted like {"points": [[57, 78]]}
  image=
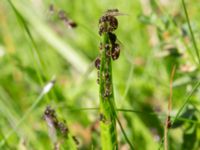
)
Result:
{"points": [[36, 46]]}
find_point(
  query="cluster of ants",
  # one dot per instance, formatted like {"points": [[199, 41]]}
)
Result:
{"points": [[107, 24], [55, 125]]}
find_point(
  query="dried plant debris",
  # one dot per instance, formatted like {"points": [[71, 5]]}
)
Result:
{"points": [[62, 15], [58, 131]]}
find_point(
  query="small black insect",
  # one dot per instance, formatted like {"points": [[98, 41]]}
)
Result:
{"points": [[113, 23], [51, 8], [102, 118], [63, 128], [108, 53], [107, 76], [100, 46], [169, 122], [98, 74], [107, 50], [75, 140], [112, 37], [107, 23], [115, 51], [114, 12], [107, 47], [107, 92], [72, 24], [50, 116], [98, 81], [63, 16], [97, 63]]}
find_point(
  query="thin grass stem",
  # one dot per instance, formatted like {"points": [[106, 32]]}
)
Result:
{"points": [[191, 32]]}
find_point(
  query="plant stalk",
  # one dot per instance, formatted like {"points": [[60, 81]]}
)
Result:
{"points": [[107, 105]]}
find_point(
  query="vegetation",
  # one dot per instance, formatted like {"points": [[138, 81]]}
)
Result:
{"points": [[143, 94]]}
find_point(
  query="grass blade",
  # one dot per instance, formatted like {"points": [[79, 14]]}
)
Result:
{"points": [[45, 90], [191, 32]]}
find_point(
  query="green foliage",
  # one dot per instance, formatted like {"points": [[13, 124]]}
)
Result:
{"points": [[107, 104], [36, 47]]}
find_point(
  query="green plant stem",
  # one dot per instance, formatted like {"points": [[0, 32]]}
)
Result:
{"points": [[160, 115], [37, 62], [107, 105], [28, 112], [191, 32]]}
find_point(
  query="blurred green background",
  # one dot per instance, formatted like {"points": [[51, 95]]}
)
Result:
{"points": [[36, 47]]}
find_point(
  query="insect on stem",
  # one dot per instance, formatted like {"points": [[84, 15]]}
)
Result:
{"points": [[109, 50]]}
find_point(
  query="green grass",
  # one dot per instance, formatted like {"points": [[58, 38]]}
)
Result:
{"points": [[36, 47], [107, 104]]}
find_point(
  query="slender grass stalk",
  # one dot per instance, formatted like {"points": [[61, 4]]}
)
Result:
{"points": [[198, 57], [37, 62], [177, 116], [78, 61], [197, 53], [59, 131], [107, 114], [191, 32], [168, 120], [107, 105], [6, 145], [109, 50], [160, 115], [45, 91]]}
